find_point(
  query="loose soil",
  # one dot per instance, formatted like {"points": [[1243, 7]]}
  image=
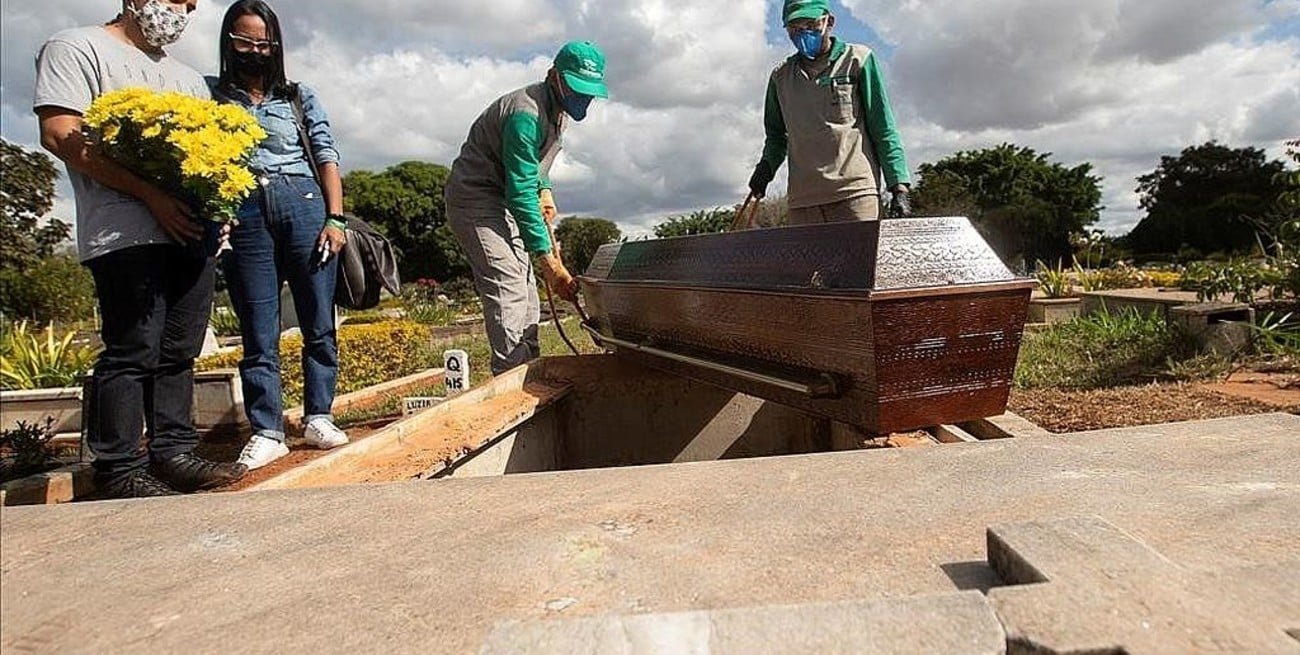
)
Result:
{"points": [[1077, 411], [226, 449]]}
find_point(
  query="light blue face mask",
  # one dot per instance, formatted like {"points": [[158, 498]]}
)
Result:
{"points": [[575, 105], [808, 43]]}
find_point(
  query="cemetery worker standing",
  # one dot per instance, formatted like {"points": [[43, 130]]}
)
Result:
{"points": [[290, 229], [827, 109], [154, 294], [499, 201]]}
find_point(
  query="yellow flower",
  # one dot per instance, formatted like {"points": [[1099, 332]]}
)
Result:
{"points": [[205, 145]]}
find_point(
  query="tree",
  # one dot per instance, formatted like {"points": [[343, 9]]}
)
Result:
{"points": [[705, 221], [1210, 198], [1024, 204], [581, 237], [56, 288], [405, 203], [26, 196]]}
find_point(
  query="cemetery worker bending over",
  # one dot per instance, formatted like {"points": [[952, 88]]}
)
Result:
{"points": [[827, 109], [154, 294], [290, 228], [499, 201]]}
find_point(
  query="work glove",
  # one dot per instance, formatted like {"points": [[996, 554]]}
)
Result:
{"points": [[762, 177], [557, 276], [549, 210], [900, 202]]}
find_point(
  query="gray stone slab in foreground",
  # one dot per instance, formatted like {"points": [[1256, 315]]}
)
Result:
{"points": [[1119, 595], [434, 566], [946, 624]]}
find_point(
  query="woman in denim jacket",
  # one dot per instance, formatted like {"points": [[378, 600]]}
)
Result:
{"points": [[290, 229]]}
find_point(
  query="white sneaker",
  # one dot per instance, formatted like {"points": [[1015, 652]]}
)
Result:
{"points": [[322, 433], [260, 451]]}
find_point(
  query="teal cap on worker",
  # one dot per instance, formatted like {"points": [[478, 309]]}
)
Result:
{"points": [[583, 66], [809, 9]]}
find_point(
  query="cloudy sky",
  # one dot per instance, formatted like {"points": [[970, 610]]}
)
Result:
{"points": [[1114, 82]]}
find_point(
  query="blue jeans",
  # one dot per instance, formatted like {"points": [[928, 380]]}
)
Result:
{"points": [[275, 242]]}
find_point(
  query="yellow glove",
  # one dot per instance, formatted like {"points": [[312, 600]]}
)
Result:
{"points": [[557, 276], [549, 210]]}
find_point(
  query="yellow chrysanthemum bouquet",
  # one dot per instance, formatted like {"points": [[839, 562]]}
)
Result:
{"points": [[196, 149]]}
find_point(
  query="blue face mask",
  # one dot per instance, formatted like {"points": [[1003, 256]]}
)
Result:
{"points": [[808, 43], [575, 105]]}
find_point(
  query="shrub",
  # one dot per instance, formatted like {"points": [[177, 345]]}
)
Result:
{"points": [[25, 449], [58, 288], [368, 355], [422, 304], [1240, 279], [1165, 279], [224, 322], [1100, 350], [1278, 335], [1055, 282], [34, 362]]}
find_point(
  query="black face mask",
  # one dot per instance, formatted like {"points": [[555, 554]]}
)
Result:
{"points": [[251, 63]]}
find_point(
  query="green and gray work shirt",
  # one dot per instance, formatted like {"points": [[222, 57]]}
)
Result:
{"points": [[506, 159], [836, 126]]}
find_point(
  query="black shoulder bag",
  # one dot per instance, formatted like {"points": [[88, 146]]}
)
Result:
{"points": [[367, 264]]}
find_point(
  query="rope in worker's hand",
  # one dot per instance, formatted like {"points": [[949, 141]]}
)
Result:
{"points": [[550, 298]]}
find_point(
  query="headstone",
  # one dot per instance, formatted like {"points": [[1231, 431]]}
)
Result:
{"points": [[455, 363], [1085, 586]]}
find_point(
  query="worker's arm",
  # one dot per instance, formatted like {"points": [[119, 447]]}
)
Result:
{"points": [[521, 139], [61, 134], [778, 141], [881, 128]]}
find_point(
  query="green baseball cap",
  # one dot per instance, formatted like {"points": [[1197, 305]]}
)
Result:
{"points": [[796, 9], [583, 66]]}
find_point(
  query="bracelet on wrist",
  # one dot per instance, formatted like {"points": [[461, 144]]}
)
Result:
{"points": [[336, 221]]}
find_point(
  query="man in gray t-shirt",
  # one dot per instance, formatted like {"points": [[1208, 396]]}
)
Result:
{"points": [[155, 295]]}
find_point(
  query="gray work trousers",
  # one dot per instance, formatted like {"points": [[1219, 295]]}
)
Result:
{"points": [[503, 277], [862, 208]]}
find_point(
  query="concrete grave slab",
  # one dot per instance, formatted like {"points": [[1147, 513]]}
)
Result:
{"points": [[944, 624], [1121, 596], [436, 566]]}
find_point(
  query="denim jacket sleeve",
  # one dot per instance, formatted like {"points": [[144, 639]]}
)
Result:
{"points": [[318, 127]]}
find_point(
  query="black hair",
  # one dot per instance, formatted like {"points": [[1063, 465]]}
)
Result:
{"points": [[274, 79]]}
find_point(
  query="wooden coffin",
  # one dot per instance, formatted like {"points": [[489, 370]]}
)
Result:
{"points": [[889, 326]]}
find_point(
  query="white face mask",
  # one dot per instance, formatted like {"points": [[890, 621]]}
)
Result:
{"points": [[159, 25]]}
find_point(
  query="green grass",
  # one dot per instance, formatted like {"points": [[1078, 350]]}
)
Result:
{"points": [[1099, 351]]}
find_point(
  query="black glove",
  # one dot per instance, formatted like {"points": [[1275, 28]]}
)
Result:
{"points": [[762, 177], [900, 204]]}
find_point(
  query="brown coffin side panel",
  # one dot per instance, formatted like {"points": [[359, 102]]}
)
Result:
{"points": [[799, 335], [816, 333], [946, 359]]}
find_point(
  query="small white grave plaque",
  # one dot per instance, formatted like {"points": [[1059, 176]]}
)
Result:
{"points": [[417, 403], [456, 365]]}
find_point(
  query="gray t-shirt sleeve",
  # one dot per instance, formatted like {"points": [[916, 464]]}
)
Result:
{"points": [[65, 77]]}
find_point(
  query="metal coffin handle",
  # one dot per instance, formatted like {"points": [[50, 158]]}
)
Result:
{"points": [[824, 387]]}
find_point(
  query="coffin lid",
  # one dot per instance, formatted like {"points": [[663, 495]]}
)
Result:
{"points": [[863, 256]]}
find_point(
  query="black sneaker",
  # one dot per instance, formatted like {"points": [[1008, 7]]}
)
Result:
{"points": [[188, 472], [136, 484]]}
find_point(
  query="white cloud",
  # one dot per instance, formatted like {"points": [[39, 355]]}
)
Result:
{"points": [[1114, 82]]}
